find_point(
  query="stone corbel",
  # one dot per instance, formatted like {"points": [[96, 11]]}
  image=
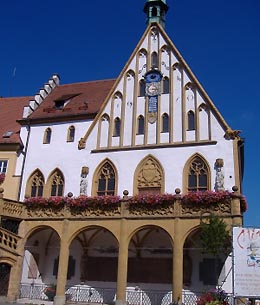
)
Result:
{"points": [[231, 134]]}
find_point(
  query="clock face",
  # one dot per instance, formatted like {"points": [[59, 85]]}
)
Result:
{"points": [[152, 89], [153, 82]]}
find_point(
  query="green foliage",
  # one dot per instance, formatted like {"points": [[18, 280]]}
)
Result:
{"points": [[215, 238]]}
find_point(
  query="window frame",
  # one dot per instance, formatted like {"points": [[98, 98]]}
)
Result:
{"points": [[191, 120], [165, 124], [140, 127], [142, 86], [3, 167], [70, 137], [166, 85], [191, 167], [47, 136], [117, 127], [102, 169]]}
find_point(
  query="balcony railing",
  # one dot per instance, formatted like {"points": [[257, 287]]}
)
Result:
{"points": [[165, 205]]}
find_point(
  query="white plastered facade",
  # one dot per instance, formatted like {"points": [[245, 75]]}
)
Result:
{"points": [[172, 149]]}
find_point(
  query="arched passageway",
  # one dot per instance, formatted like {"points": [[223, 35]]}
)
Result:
{"points": [[200, 269], [150, 257], [5, 270]]}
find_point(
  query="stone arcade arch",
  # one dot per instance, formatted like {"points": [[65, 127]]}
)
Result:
{"points": [[135, 231], [5, 270], [150, 257], [41, 250], [98, 249], [197, 263]]}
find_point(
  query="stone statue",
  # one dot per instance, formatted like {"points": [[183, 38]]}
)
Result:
{"points": [[84, 180], [219, 181]]}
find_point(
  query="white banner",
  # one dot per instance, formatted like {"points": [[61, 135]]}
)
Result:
{"points": [[246, 245]]}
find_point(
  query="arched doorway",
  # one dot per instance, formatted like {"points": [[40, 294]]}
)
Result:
{"points": [[4, 278]]}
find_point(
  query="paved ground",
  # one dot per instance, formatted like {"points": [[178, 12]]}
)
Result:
{"points": [[26, 302]]}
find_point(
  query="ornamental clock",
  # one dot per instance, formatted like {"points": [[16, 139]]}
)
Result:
{"points": [[153, 90]]}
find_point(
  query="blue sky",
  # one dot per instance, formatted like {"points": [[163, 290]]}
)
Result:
{"points": [[85, 40]]}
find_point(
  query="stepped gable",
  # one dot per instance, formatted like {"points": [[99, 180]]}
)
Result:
{"points": [[11, 110], [80, 99]]}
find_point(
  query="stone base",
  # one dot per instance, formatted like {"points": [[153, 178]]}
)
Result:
{"points": [[3, 299], [59, 300], [119, 302]]}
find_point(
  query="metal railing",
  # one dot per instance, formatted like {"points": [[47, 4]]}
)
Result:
{"points": [[86, 294]]}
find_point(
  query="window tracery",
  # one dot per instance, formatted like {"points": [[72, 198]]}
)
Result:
{"points": [[36, 185], [57, 184], [106, 180], [198, 175]]}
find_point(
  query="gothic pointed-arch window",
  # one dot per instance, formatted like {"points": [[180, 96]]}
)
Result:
{"points": [[56, 183], [35, 184], [47, 136], [166, 85], [140, 125], [165, 122], [71, 134], [117, 126], [141, 87], [191, 120], [106, 180], [198, 175], [154, 58]]}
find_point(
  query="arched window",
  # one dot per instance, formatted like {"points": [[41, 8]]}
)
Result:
{"points": [[141, 87], [191, 120], [35, 184], [154, 11], [198, 175], [166, 85], [56, 183], [106, 180], [165, 122], [117, 125], [47, 136], [154, 60], [71, 134], [140, 125]]}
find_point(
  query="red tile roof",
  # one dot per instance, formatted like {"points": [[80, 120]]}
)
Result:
{"points": [[11, 109], [85, 99]]}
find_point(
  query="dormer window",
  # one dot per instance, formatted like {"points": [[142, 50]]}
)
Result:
{"points": [[63, 100], [59, 104], [7, 134]]}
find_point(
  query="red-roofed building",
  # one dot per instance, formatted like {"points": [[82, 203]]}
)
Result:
{"points": [[11, 146]]}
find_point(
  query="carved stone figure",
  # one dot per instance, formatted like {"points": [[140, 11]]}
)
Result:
{"points": [[84, 180], [219, 181]]}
